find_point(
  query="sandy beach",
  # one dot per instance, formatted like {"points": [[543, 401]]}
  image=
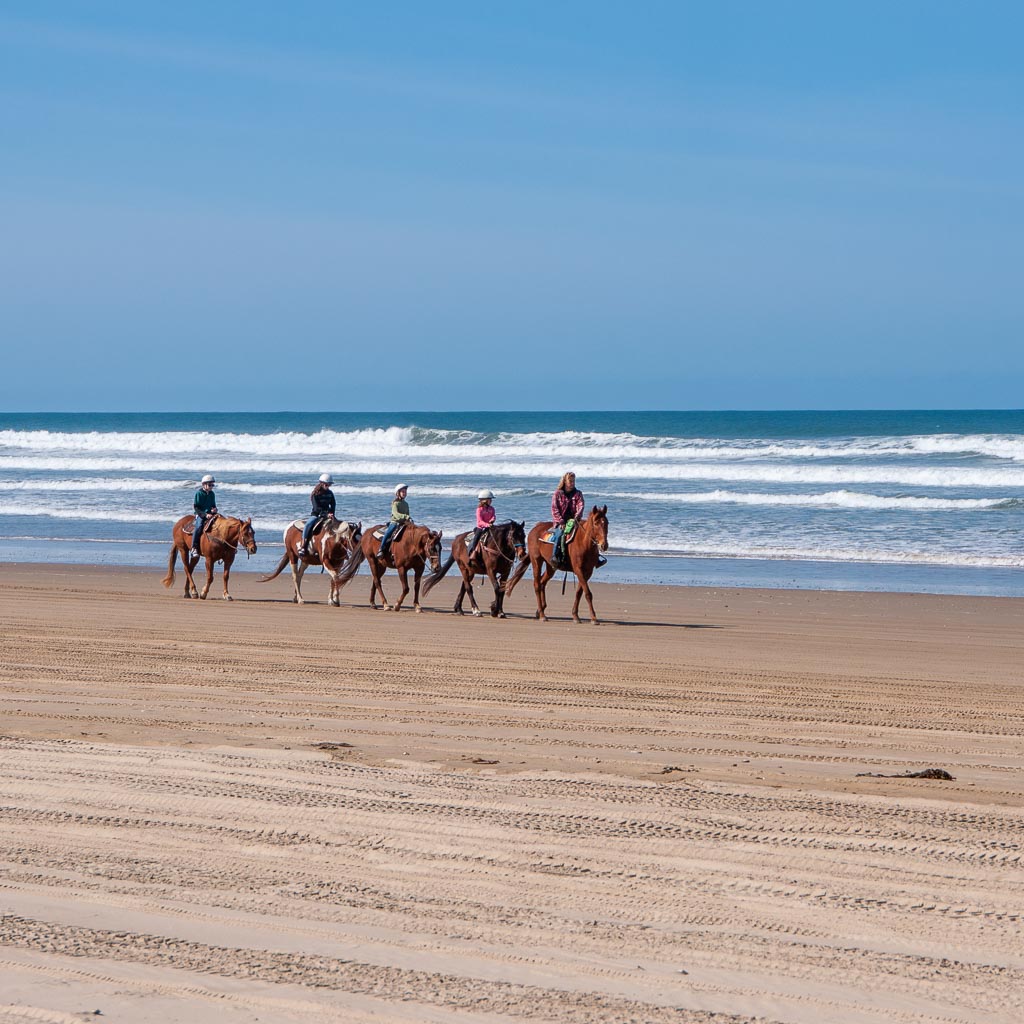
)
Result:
{"points": [[257, 811]]}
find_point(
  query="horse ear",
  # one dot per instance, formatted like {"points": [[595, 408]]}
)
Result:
{"points": [[522, 525], [604, 510], [248, 521], [440, 533], [595, 511]]}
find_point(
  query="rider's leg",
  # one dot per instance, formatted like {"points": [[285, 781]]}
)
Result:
{"points": [[477, 531], [556, 543], [197, 532], [385, 540], [306, 531]]}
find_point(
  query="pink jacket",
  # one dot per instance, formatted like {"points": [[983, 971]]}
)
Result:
{"points": [[566, 506], [484, 516]]}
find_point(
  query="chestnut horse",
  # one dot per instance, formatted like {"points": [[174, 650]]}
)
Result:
{"points": [[589, 540], [217, 544], [495, 554], [412, 550], [331, 548]]}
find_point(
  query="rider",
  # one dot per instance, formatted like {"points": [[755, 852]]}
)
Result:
{"points": [[322, 501], [204, 504], [484, 520], [399, 515], [567, 505]]}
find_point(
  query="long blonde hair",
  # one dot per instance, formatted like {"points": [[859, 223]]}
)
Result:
{"points": [[565, 479]]}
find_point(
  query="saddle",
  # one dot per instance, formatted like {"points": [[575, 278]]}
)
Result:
{"points": [[378, 534], [548, 536], [210, 520], [321, 524]]}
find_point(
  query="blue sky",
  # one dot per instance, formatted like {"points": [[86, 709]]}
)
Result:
{"points": [[535, 205]]}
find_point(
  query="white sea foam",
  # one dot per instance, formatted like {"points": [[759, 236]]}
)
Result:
{"points": [[827, 553], [828, 499], [486, 467], [420, 442]]}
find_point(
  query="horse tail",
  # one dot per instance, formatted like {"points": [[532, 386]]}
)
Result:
{"points": [[355, 560], [517, 574], [168, 580], [277, 571], [436, 577]]}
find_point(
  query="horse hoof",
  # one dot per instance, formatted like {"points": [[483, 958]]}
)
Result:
{"points": [[419, 610], [476, 613], [501, 615], [186, 596], [228, 597], [595, 622]]}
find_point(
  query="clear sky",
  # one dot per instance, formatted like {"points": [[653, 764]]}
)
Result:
{"points": [[526, 205]]}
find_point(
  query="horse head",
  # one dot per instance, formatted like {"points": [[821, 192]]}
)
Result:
{"points": [[430, 547], [247, 536], [598, 523], [517, 536]]}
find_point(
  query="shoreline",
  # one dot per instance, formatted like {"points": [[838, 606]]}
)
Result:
{"points": [[648, 570]]}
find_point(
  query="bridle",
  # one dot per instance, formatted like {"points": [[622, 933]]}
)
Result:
{"points": [[504, 554]]}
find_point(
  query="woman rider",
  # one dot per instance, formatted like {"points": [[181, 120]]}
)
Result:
{"points": [[399, 515], [204, 505], [322, 501], [566, 503]]}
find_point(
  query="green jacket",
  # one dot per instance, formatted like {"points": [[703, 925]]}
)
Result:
{"points": [[400, 511], [204, 502]]}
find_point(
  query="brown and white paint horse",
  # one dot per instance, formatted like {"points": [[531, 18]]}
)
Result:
{"points": [[331, 548], [217, 544]]}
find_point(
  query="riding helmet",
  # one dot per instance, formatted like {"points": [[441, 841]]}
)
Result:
{"points": [[401, 487], [484, 494], [208, 479], [326, 478]]}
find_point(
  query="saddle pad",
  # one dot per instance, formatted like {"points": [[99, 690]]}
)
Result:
{"points": [[378, 534], [549, 535]]}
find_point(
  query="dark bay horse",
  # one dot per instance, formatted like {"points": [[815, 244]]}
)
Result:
{"points": [[412, 550], [331, 547], [218, 544], [495, 554], [589, 540]]}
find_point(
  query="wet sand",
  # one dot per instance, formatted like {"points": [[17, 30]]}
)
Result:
{"points": [[247, 811]]}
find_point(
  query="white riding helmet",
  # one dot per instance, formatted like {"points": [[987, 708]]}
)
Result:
{"points": [[401, 487], [208, 479], [326, 478], [484, 494]]}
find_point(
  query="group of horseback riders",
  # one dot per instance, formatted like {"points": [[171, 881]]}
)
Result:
{"points": [[567, 505]]}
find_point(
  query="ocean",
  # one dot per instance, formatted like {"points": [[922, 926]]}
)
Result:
{"points": [[903, 501]]}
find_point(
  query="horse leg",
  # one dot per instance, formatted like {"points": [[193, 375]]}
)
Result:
{"points": [[378, 584], [403, 575], [334, 597], [496, 612], [417, 575], [467, 588], [585, 587], [542, 573], [227, 572], [298, 571], [184, 565], [209, 577], [189, 563]]}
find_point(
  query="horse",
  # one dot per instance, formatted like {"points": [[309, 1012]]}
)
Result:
{"points": [[415, 546], [495, 554], [218, 544], [331, 547], [584, 548]]}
